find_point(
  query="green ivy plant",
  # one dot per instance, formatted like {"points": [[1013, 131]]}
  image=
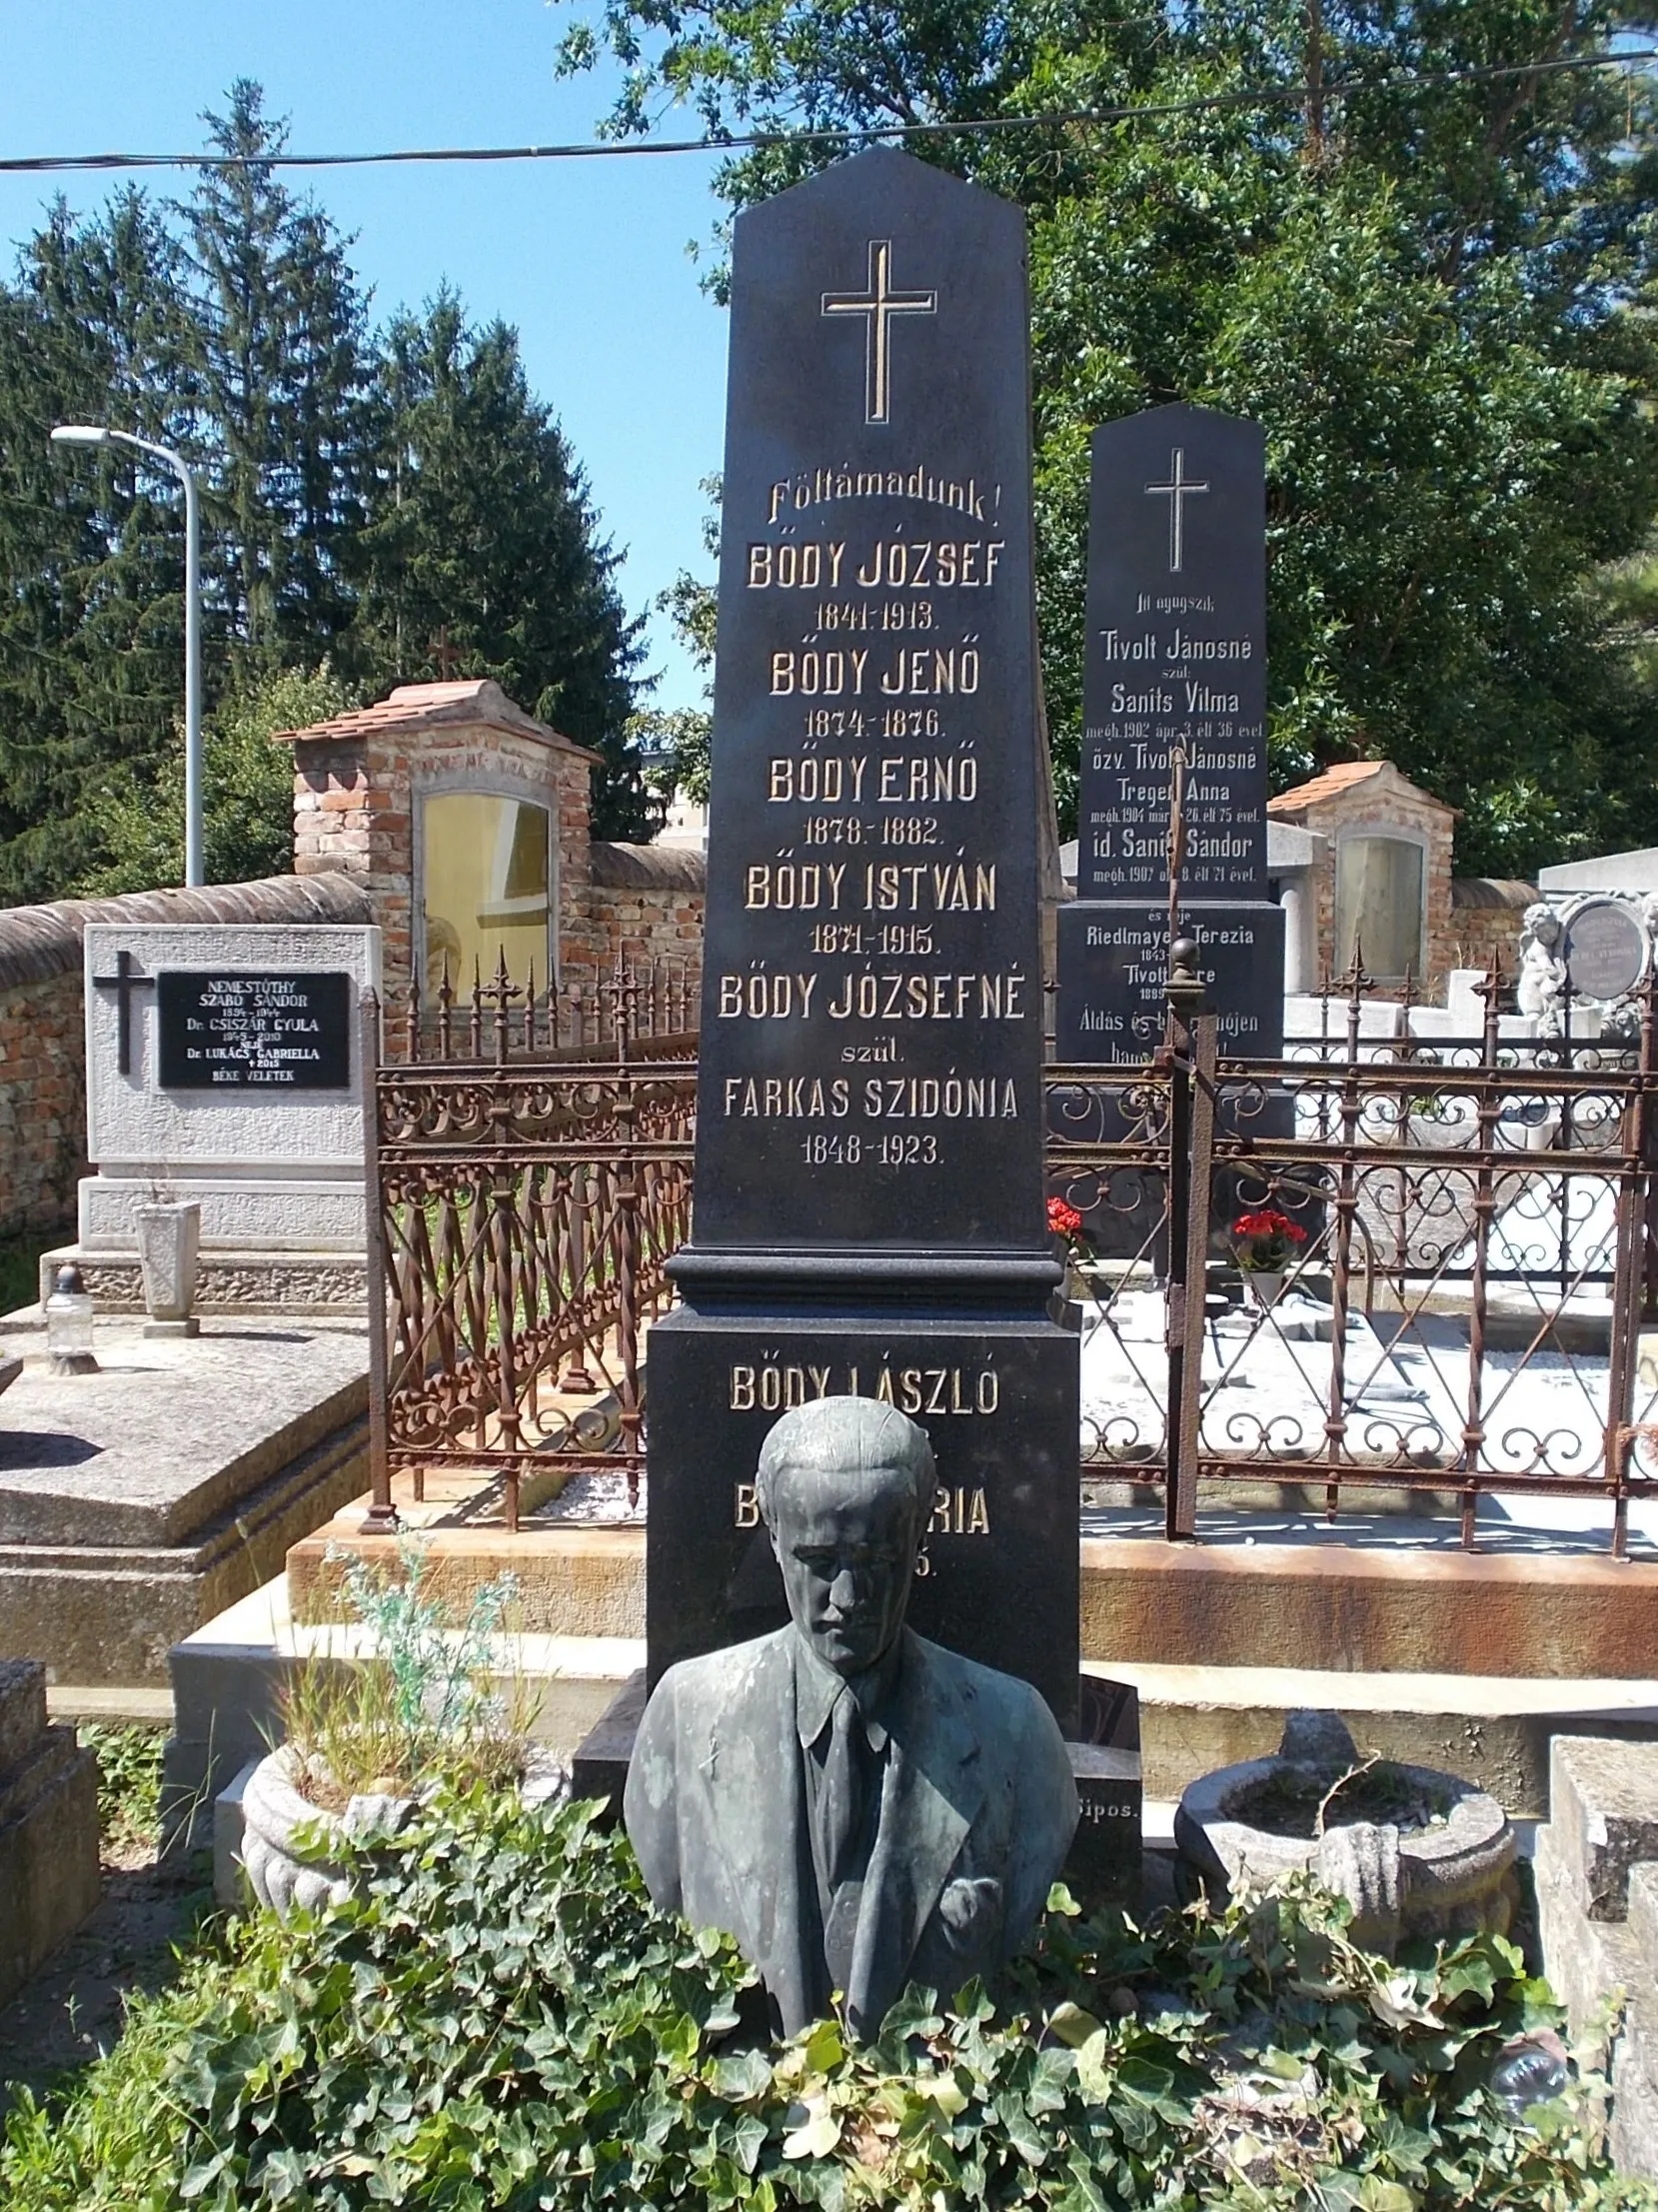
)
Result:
{"points": [[502, 2020]]}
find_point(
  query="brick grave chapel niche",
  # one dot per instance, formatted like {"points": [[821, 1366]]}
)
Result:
{"points": [[467, 821]]}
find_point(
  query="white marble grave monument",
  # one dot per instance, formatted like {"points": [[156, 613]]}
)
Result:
{"points": [[223, 1068]]}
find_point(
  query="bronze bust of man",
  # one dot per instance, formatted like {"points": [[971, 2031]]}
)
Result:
{"points": [[858, 1807]]}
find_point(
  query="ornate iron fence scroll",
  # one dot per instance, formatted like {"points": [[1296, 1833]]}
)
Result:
{"points": [[530, 1178], [1465, 1259], [1468, 1254]]}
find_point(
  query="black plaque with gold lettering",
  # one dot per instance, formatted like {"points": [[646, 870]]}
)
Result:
{"points": [[868, 1215], [241, 1031]]}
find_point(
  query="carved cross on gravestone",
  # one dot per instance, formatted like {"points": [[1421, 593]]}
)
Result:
{"points": [[124, 982], [879, 303], [1176, 490]]}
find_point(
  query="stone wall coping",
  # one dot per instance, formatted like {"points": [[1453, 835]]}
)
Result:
{"points": [[40, 942], [1497, 892], [478, 705], [647, 866]]}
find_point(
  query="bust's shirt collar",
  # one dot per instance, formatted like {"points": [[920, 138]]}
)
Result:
{"points": [[818, 1691]]}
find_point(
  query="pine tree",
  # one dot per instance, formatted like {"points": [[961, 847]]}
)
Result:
{"points": [[283, 367], [481, 521], [91, 542]]}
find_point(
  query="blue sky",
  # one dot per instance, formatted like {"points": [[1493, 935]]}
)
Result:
{"points": [[586, 258]]}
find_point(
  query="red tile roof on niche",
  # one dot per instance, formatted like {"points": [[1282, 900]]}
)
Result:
{"points": [[1330, 783], [476, 702]]}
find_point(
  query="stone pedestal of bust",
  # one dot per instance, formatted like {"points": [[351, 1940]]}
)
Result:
{"points": [[858, 1807]]}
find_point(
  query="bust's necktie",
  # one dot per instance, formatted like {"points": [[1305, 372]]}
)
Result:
{"points": [[841, 1803]]}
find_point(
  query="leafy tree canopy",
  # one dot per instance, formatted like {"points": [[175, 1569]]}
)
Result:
{"points": [[1434, 298], [246, 790]]}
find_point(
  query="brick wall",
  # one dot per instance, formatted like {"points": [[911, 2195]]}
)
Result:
{"points": [[645, 905], [1487, 915], [43, 1024], [362, 779]]}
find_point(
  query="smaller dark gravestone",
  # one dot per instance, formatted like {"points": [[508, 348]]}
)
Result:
{"points": [[1177, 663], [1605, 949], [288, 1030]]}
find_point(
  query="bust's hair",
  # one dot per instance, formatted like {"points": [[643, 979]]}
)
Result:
{"points": [[845, 1435]]}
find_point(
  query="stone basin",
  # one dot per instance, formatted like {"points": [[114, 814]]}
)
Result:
{"points": [[1454, 1877]]}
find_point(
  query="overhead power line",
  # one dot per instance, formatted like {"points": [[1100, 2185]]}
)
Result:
{"points": [[1258, 96]]}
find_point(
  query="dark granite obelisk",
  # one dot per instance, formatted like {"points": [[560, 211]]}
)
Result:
{"points": [[869, 1194], [1176, 661]]}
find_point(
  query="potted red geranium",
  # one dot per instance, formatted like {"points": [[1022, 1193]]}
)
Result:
{"points": [[1263, 1245]]}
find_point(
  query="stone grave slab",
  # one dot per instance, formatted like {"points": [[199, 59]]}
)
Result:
{"points": [[137, 1501], [50, 1879]]}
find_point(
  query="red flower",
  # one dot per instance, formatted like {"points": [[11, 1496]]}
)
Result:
{"points": [[1268, 1221], [1063, 1219]]}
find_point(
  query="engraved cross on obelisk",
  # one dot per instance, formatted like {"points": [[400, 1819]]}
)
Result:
{"points": [[124, 982], [1178, 489], [881, 303]]}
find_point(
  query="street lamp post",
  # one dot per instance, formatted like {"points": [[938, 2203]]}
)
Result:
{"points": [[92, 434]]}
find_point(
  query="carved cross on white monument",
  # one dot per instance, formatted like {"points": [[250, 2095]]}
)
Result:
{"points": [[879, 303], [1178, 488]]}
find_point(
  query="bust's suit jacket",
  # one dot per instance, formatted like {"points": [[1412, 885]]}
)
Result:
{"points": [[978, 1811]]}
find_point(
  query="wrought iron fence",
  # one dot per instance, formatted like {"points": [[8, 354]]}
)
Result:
{"points": [[1469, 1231], [1467, 1260], [524, 1201]]}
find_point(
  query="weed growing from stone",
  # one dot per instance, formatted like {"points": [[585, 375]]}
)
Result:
{"points": [[421, 1702]]}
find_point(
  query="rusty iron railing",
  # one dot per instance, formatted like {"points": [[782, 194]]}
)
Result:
{"points": [[1476, 1221], [525, 1199], [1478, 1217]]}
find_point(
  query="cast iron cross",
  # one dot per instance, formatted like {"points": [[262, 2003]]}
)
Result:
{"points": [[443, 654], [879, 303], [124, 982], [1178, 488]]}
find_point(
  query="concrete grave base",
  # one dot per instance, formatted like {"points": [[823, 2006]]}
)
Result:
{"points": [[49, 1877], [229, 1676], [141, 1500], [256, 1285], [1596, 1870]]}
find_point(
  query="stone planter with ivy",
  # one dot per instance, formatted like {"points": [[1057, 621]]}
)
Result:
{"points": [[298, 1856], [368, 1738]]}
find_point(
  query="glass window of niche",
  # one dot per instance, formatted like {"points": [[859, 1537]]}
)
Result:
{"points": [[1378, 907], [486, 875]]}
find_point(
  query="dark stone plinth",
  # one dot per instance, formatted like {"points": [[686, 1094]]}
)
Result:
{"points": [[1113, 978], [1106, 1851], [599, 1765], [999, 1574], [1177, 656]]}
